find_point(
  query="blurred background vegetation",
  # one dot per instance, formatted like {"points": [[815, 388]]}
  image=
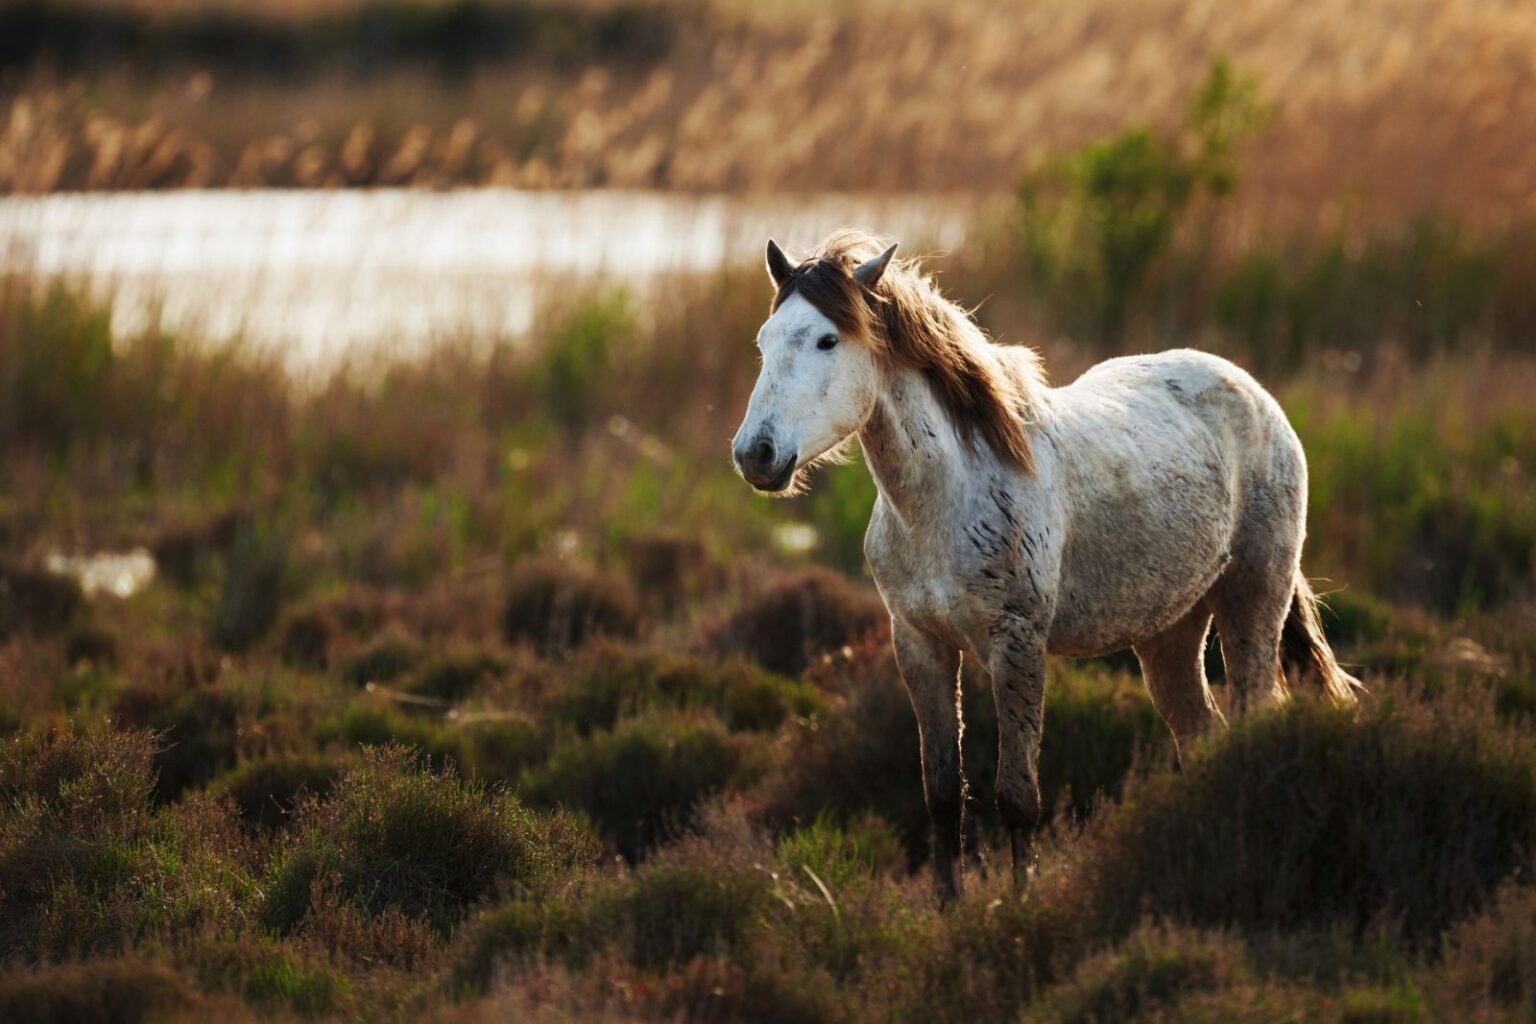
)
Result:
{"points": [[475, 685]]}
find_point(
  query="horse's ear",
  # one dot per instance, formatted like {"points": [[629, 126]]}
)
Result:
{"points": [[868, 274], [779, 267]]}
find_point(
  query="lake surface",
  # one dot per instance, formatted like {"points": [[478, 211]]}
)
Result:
{"points": [[328, 275]]}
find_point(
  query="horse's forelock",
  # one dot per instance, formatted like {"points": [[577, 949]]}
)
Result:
{"points": [[906, 319]]}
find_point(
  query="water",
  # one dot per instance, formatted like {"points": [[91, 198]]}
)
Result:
{"points": [[120, 573], [330, 275]]}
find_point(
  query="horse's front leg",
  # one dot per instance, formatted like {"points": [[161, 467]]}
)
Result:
{"points": [[931, 671], [1017, 665]]}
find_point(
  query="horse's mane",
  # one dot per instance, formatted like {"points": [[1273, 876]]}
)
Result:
{"points": [[905, 318]]}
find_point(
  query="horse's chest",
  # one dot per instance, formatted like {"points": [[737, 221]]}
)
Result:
{"points": [[921, 583]]}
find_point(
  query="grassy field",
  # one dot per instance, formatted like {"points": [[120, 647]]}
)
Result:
{"points": [[478, 687], [482, 689]]}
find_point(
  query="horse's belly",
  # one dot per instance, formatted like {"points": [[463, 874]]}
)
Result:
{"points": [[1075, 635], [1131, 577]]}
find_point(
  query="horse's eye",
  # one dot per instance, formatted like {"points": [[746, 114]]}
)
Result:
{"points": [[827, 342]]}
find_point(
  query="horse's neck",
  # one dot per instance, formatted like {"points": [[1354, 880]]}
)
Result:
{"points": [[911, 447]]}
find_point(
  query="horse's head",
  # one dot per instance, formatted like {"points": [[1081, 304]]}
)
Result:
{"points": [[820, 377]]}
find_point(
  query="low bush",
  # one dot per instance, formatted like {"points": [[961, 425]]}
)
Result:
{"points": [[689, 902], [252, 592], [88, 645], [1146, 976], [456, 675], [307, 637], [640, 782], [556, 605], [798, 618], [84, 863], [127, 991], [427, 844], [1312, 817], [842, 858], [385, 659], [608, 682], [670, 568], [370, 722], [864, 756], [197, 731], [1489, 971], [267, 790], [703, 896], [35, 601], [1096, 727], [183, 550]]}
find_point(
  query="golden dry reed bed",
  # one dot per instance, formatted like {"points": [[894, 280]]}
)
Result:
{"points": [[1379, 107]]}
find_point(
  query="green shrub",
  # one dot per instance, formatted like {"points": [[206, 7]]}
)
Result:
{"points": [[641, 781], [557, 606], [607, 682], [560, 928], [91, 645], [373, 723], [126, 991], [85, 865], [57, 387], [35, 601], [577, 357], [184, 550], [841, 857], [266, 791], [456, 675], [1096, 223], [197, 728], [383, 660], [689, 902], [428, 844], [282, 984], [860, 758], [306, 639], [1096, 726], [1146, 976], [1312, 817], [1489, 971], [864, 756], [799, 617], [671, 568], [704, 896], [252, 592]]}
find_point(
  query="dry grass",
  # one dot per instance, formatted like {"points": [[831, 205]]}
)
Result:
{"points": [[1380, 109], [753, 844]]}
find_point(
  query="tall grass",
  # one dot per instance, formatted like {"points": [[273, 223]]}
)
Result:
{"points": [[715, 95], [451, 696]]}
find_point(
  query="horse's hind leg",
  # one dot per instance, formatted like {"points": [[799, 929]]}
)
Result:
{"points": [[1173, 666], [1251, 601]]}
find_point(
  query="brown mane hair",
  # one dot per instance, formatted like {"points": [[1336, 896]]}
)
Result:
{"points": [[904, 318]]}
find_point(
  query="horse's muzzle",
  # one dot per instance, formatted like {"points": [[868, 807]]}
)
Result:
{"points": [[763, 467]]}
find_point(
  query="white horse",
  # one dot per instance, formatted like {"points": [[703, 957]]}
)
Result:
{"points": [[1016, 520]]}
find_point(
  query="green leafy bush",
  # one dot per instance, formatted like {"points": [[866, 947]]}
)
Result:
{"points": [[266, 791], [797, 618], [1312, 817], [126, 991], [427, 844], [640, 782], [85, 864], [608, 682], [1097, 222], [557, 605]]}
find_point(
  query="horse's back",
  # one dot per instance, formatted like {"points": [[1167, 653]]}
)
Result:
{"points": [[1162, 459]]}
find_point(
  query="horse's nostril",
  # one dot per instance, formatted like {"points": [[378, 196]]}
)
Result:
{"points": [[762, 453]]}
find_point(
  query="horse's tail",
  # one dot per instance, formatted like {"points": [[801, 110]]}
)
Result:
{"points": [[1305, 654]]}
